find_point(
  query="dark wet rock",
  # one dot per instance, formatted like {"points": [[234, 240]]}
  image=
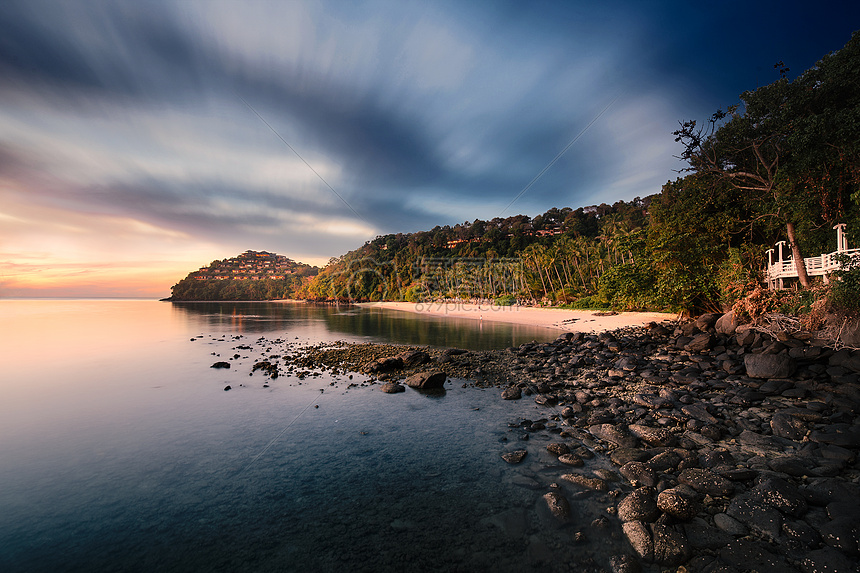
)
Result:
{"points": [[653, 436], [729, 524], [558, 505], [748, 555], [639, 536], [624, 564], [787, 426], [801, 533], [706, 481], [737, 474], [558, 448], [715, 458], [514, 457], [571, 460], [769, 365], [639, 474], [512, 393], [675, 503], [843, 534], [664, 461], [700, 343], [703, 536], [652, 401], [220, 365], [779, 494], [699, 412], [824, 491], [843, 436], [546, 400], [427, 380], [392, 388], [621, 456], [615, 434], [670, 545], [826, 560], [748, 510], [413, 358], [792, 465], [639, 505], [586, 482], [385, 364]]}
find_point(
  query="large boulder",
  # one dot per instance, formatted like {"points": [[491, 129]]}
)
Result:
{"points": [[427, 380], [769, 365], [727, 324]]}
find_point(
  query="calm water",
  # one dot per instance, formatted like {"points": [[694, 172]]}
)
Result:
{"points": [[120, 451]]}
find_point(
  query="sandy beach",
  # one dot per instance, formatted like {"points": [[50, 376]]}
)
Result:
{"points": [[562, 319]]}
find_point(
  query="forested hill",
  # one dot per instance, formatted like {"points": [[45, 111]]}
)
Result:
{"points": [[783, 164], [252, 275]]}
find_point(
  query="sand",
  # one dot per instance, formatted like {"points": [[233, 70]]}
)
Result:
{"points": [[562, 319]]}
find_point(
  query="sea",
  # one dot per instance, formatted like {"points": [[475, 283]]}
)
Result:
{"points": [[120, 449]]}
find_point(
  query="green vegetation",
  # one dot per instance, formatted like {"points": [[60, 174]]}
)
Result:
{"points": [[783, 164]]}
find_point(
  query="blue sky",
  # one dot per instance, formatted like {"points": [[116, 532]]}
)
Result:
{"points": [[139, 140]]}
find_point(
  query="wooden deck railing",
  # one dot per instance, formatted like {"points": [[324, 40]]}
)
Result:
{"points": [[821, 265]]}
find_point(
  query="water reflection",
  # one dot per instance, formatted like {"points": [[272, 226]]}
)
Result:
{"points": [[353, 323]]}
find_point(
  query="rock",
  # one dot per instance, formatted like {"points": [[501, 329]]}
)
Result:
{"points": [[639, 505], [613, 433], [639, 536], [227, 387], [708, 320], [779, 494], [764, 520], [673, 502], [787, 426], [511, 393], [653, 436], [639, 474], [558, 448], [769, 365], [698, 412], [624, 564], [843, 534], [386, 364], [412, 358], [220, 365], [427, 380], [801, 533], [730, 525], [706, 481], [514, 457], [621, 456], [703, 536], [826, 560], [586, 482], [752, 556], [392, 388], [727, 324], [700, 343], [664, 461], [558, 505], [670, 545], [571, 460]]}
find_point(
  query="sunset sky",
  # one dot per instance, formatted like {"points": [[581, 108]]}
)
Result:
{"points": [[140, 140]]}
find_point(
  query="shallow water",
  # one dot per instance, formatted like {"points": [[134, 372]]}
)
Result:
{"points": [[120, 451]]}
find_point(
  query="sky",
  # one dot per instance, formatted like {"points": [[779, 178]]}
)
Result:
{"points": [[141, 140]]}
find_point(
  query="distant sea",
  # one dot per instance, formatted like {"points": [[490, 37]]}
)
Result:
{"points": [[121, 451]]}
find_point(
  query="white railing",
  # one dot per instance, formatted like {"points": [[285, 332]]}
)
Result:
{"points": [[821, 265]]}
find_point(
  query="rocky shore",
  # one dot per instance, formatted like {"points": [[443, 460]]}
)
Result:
{"points": [[710, 447]]}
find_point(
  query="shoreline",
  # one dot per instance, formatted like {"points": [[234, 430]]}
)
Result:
{"points": [[586, 321]]}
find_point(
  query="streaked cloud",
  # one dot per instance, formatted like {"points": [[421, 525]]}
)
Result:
{"points": [[157, 135]]}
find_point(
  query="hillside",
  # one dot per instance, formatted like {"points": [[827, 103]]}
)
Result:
{"points": [[252, 275]]}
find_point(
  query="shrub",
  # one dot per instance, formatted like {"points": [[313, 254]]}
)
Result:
{"points": [[845, 291], [505, 300]]}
